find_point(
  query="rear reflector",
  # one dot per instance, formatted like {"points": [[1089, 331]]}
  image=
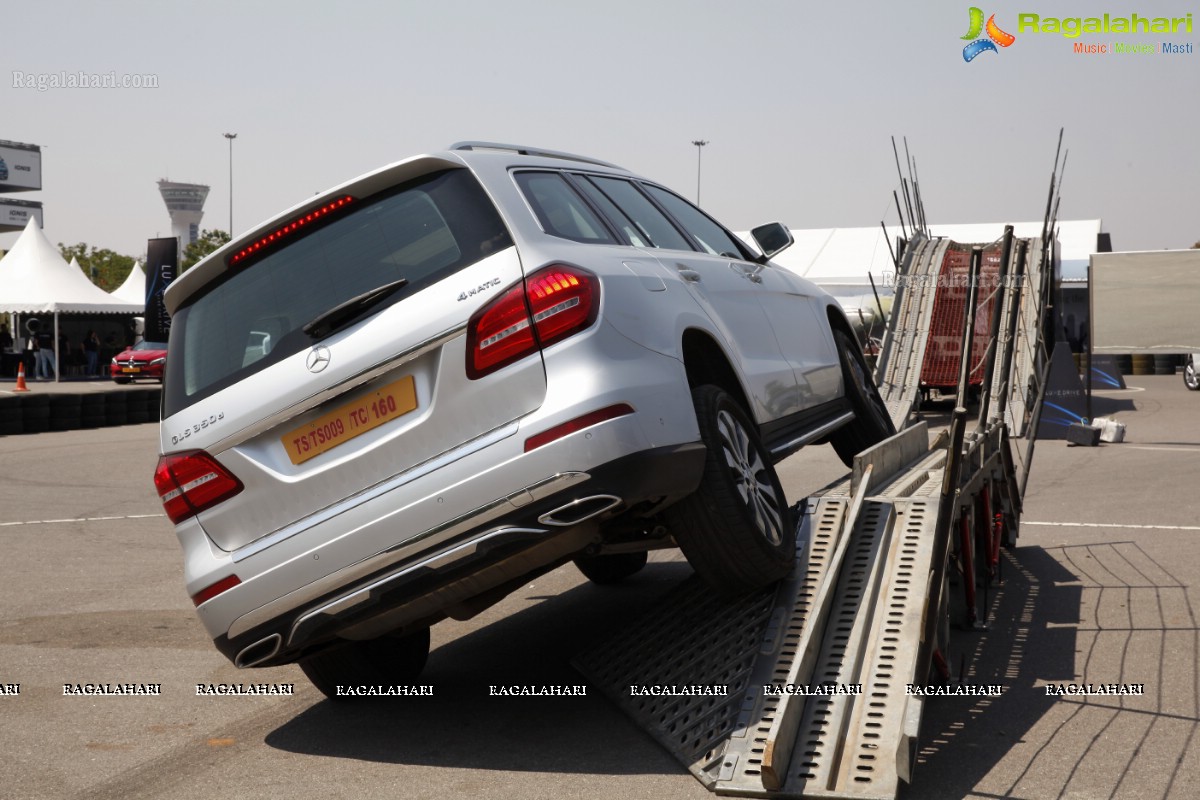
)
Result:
{"points": [[577, 424], [550, 305], [208, 593], [190, 482]]}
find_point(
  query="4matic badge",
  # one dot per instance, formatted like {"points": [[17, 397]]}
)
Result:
{"points": [[481, 287]]}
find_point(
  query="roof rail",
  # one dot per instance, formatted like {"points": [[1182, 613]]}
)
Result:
{"points": [[530, 151]]}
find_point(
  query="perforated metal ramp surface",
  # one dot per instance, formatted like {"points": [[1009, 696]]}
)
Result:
{"points": [[846, 745]]}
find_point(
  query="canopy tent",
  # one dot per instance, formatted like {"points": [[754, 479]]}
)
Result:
{"points": [[845, 256], [36, 279], [133, 290]]}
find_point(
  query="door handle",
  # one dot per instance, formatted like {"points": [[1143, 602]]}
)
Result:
{"points": [[688, 274], [750, 273]]}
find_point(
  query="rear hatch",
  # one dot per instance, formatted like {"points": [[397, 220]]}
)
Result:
{"points": [[306, 407]]}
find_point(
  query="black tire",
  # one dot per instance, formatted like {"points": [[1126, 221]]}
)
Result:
{"points": [[1190, 379], [386, 661], [611, 568], [736, 529], [872, 423]]}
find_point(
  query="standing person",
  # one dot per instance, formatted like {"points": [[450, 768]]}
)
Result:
{"points": [[46, 368], [31, 354], [91, 352], [6, 340]]}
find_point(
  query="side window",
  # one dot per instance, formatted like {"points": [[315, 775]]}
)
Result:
{"points": [[650, 222], [710, 236], [560, 210], [615, 215]]}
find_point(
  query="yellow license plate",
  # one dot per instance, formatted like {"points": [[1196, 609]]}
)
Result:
{"points": [[131, 369], [350, 419]]}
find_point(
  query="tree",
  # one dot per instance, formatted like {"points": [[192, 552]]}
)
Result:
{"points": [[197, 250], [110, 269]]}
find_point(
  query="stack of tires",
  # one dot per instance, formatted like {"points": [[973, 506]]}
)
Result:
{"points": [[92, 411], [11, 418], [66, 412], [35, 412], [143, 405], [38, 413]]}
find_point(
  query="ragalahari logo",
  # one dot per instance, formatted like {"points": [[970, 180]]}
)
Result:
{"points": [[995, 36]]}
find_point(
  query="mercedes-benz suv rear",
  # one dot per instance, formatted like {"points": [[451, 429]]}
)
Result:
{"points": [[396, 402]]}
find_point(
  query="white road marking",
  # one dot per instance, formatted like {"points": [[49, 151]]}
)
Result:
{"points": [[1183, 448], [78, 519], [1115, 526]]}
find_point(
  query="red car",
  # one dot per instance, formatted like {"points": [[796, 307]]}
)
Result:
{"points": [[143, 360]]}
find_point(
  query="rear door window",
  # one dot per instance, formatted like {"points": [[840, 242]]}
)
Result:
{"points": [[250, 318], [653, 226], [560, 209]]}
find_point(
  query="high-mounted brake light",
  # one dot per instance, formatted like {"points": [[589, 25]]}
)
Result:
{"points": [[550, 305], [191, 482], [287, 230]]}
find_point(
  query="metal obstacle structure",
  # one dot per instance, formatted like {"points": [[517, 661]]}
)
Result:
{"points": [[888, 558]]}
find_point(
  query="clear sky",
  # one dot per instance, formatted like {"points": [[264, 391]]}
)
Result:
{"points": [[797, 101]]}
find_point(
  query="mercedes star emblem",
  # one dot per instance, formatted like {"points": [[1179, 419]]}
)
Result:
{"points": [[318, 359]]}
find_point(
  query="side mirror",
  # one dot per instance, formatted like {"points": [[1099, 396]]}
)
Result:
{"points": [[772, 239]]}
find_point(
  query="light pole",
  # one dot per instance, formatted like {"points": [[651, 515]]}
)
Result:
{"points": [[230, 137], [699, 145]]}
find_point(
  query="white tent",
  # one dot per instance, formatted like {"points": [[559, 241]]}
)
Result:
{"points": [[839, 260], [36, 279], [133, 290]]}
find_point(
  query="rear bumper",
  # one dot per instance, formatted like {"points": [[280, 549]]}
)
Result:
{"points": [[547, 529]]}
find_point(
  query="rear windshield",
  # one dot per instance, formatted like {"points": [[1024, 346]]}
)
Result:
{"points": [[421, 231]]}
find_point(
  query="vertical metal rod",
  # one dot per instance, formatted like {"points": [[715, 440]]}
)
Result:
{"points": [[1014, 319], [891, 252], [964, 368], [998, 297], [900, 213], [900, 173]]}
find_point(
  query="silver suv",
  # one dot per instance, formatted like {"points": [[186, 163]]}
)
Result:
{"points": [[398, 401]]}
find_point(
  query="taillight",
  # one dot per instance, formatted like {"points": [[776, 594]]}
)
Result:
{"points": [[550, 305], [190, 482]]}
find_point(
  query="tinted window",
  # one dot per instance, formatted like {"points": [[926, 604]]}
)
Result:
{"points": [[560, 210], [710, 236], [654, 227], [253, 317], [615, 215]]}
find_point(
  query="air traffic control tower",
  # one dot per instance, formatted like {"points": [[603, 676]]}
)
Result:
{"points": [[185, 204]]}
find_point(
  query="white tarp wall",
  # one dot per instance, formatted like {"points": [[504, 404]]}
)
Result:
{"points": [[1145, 302]]}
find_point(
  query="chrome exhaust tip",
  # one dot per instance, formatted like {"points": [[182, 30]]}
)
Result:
{"points": [[579, 510], [259, 652]]}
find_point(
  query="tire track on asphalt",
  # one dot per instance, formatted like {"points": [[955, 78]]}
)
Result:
{"points": [[182, 764]]}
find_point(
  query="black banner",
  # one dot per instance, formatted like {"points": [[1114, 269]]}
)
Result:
{"points": [[162, 264]]}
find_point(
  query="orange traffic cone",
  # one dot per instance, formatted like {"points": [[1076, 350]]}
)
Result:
{"points": [[21, 387]]}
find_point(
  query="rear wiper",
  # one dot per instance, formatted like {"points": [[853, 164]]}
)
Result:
{"points": [[337, 316]]}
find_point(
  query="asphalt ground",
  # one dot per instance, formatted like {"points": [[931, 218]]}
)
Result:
{"points": [[1099, 589]]}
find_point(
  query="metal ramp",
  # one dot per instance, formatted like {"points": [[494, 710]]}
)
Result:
{"points": [[898, 370], [803, 691]]}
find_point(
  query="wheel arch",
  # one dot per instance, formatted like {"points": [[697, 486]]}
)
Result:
{"points": [[706, 363]]}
